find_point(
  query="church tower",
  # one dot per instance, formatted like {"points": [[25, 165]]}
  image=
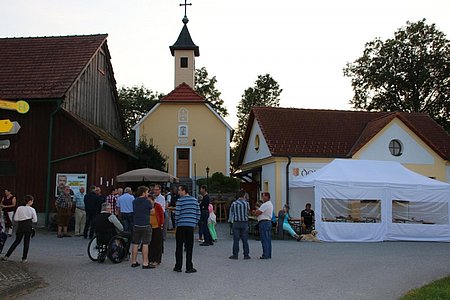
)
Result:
{"points": [[184, 51]]}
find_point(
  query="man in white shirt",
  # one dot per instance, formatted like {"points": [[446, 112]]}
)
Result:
{"points": [[264, 214]]}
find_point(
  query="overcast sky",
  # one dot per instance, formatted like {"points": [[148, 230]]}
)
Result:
{"points": [[304, 45]]}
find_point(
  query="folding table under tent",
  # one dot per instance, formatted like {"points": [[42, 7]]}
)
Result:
{"points": [[370, 201]]}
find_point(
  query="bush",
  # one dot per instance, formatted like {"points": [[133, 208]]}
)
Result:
{"points": [[219, 183]]}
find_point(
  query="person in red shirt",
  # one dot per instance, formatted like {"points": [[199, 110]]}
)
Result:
{"points": [[157, 223]]}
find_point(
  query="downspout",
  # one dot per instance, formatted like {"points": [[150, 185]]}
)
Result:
{"points": [[49, 157], [287, 179]]}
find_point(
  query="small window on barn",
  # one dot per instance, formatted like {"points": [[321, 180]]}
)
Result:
{"points": [[396, 147], [183, 62], [101, 62]]}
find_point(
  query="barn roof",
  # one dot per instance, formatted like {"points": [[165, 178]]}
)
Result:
{"points": [[44, 67]]}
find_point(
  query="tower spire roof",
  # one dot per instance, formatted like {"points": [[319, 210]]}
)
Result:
{"points": [[184, 41]]}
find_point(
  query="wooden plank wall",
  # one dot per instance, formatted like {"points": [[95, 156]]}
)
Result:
{"points": [[93, 96], [28, 151]]}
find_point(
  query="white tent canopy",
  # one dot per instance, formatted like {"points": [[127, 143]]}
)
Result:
{"points": [[366, 200]]}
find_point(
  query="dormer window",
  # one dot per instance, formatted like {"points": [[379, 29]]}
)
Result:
{"points": [[183, 62]]}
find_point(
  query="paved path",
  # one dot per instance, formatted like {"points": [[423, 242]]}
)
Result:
{"points": [[15, 279], [297, 271]]}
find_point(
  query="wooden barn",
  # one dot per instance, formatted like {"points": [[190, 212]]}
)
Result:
{"points": [[73, 125]]}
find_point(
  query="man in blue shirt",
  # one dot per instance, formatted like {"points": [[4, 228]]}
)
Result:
{"points": [[142, 230], [187, 215], [125, 209]]}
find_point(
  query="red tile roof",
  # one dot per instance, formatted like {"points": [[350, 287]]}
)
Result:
{"points": [[183, 93], [334, 133], [44, 67]]}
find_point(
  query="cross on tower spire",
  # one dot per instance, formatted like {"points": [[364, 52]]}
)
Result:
{"points": [[185, 19]]}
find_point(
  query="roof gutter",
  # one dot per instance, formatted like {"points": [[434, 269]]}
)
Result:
{"points": [[80, 154]]}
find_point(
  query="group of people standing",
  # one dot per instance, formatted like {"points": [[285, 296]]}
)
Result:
{"points": [[239, 212], [84, 206], [239, 217], [144, 218]]}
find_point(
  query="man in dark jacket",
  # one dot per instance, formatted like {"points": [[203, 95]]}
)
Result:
{"points": [[92, 203]]}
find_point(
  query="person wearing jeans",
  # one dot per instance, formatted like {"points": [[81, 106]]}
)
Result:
{"points": [[125, 209], [264, 214], [239, 217]]}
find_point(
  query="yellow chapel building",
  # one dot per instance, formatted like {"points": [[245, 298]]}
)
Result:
{"points": [[183, 126]]}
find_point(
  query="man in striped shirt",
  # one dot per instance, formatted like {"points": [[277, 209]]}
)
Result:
{"points": [[112, 200], [187, 215], [239, 217]]}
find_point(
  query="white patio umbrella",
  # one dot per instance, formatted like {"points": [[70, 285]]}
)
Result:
{"points": [[146, 174]]}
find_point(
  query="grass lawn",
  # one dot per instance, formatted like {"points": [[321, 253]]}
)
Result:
{"points": [[437, 290]]}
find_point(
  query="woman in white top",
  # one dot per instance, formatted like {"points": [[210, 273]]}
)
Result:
{"points": [[25, 215]]}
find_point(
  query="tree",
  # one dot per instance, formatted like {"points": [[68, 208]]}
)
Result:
{"points": [[409, 73], [134, 103], [149, 156], [266, 92], [207, 88]]}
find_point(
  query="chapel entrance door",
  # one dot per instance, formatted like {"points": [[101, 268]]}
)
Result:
{"points": [[183, 162]]}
